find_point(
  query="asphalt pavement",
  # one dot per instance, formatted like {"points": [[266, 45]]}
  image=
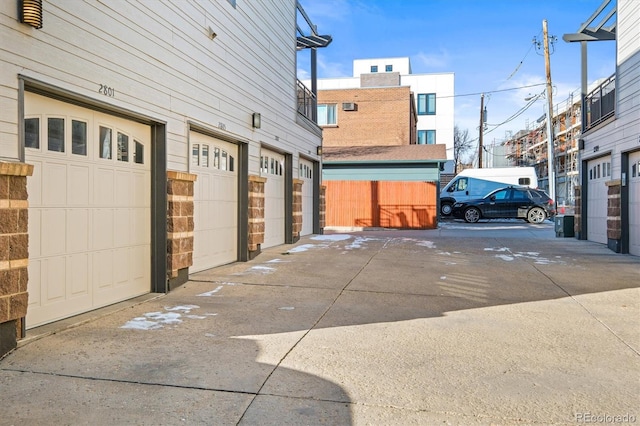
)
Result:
{"points": [[492, 323]]}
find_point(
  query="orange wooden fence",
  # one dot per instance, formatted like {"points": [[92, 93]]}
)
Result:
{"points": [[387, 204]]}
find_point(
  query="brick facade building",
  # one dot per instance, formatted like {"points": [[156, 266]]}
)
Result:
{"points": [[370, 116]]}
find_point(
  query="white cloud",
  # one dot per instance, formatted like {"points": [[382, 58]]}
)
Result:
{"points": [[438, 60], [331, 69]]}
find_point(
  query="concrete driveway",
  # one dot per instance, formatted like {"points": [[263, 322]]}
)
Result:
{"points": [[492, 323]]}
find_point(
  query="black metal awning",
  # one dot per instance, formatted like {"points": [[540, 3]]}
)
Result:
{"points": [[605, 29], [314, 40], [309, 41]]}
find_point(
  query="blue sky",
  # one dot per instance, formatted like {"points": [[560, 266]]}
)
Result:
{"points": [[488, 44]]}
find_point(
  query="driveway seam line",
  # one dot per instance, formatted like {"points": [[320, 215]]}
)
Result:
{"points": [[312, 327]]}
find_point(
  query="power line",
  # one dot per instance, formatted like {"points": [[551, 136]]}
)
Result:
{"points": [[492, 91], [522, 61]]}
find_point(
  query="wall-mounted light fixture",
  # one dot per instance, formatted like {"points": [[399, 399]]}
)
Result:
{"points": [[319, 150], [256, 120], [30, 12]]}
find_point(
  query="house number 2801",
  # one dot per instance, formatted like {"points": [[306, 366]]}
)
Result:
{"points": [[107, 91]]}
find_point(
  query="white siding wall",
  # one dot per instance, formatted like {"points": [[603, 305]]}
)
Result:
{"points": [[622, 134], [628, 77], [628, 29], [158, 58]]}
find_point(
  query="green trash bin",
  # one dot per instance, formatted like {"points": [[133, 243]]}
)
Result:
{"points": [[564, 226]]}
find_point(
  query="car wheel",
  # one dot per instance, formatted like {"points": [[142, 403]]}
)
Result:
{"points": [[472, 215], [536, 215], [445, 209]]}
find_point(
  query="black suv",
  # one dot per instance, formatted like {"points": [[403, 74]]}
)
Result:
{"points": [[532, 205]]}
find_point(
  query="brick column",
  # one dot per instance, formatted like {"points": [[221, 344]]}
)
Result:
{"points": [[577, 228], [14, 252], [256, 214], [180, 226], [297, 209], [614, 220], [322, 207]]}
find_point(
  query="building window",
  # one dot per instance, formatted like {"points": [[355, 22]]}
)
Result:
{"points": [[427, 104], [374, 68], [327, 115], [32, 133], [422, 137], [388, 68], [426, 137]]}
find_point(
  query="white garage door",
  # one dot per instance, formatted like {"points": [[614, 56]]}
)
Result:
{"points": [[274, 214], [306, 175], [215, 202], [89, 209], [634, 204], [599, 172]]}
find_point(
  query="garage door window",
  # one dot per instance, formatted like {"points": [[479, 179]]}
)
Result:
{"points": [[105, 143], [305, 171], [78, 137], [139, 153], [222, 160], [32, 133], [271, 166], [216, 158], [205, 156], [55, 134], [123, 147]]}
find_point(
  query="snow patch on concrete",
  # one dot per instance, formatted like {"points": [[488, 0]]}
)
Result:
{"points": [[210, 293], [331, 237], [157, 320]]}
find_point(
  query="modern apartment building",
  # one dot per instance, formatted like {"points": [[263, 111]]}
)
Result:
{"points": [[143, 141], [432, 94]]}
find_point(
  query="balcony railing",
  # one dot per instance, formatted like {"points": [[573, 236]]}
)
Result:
{"points": [[601, 103], [307, 102]]}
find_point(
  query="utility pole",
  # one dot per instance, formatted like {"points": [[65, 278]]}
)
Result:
{"points": [[481, 131], [550, 148]]}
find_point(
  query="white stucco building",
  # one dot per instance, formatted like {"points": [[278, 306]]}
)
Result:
{"points": [[434, 95]]}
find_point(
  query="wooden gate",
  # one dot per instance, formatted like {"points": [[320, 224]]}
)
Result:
{"points": [[386, 204]]}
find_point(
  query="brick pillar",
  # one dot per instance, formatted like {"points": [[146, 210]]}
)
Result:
{"points": [[297, 209], [179, 226], [322, 207], [577, 226], [256, 214], [614, 220], [14, 252]]}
